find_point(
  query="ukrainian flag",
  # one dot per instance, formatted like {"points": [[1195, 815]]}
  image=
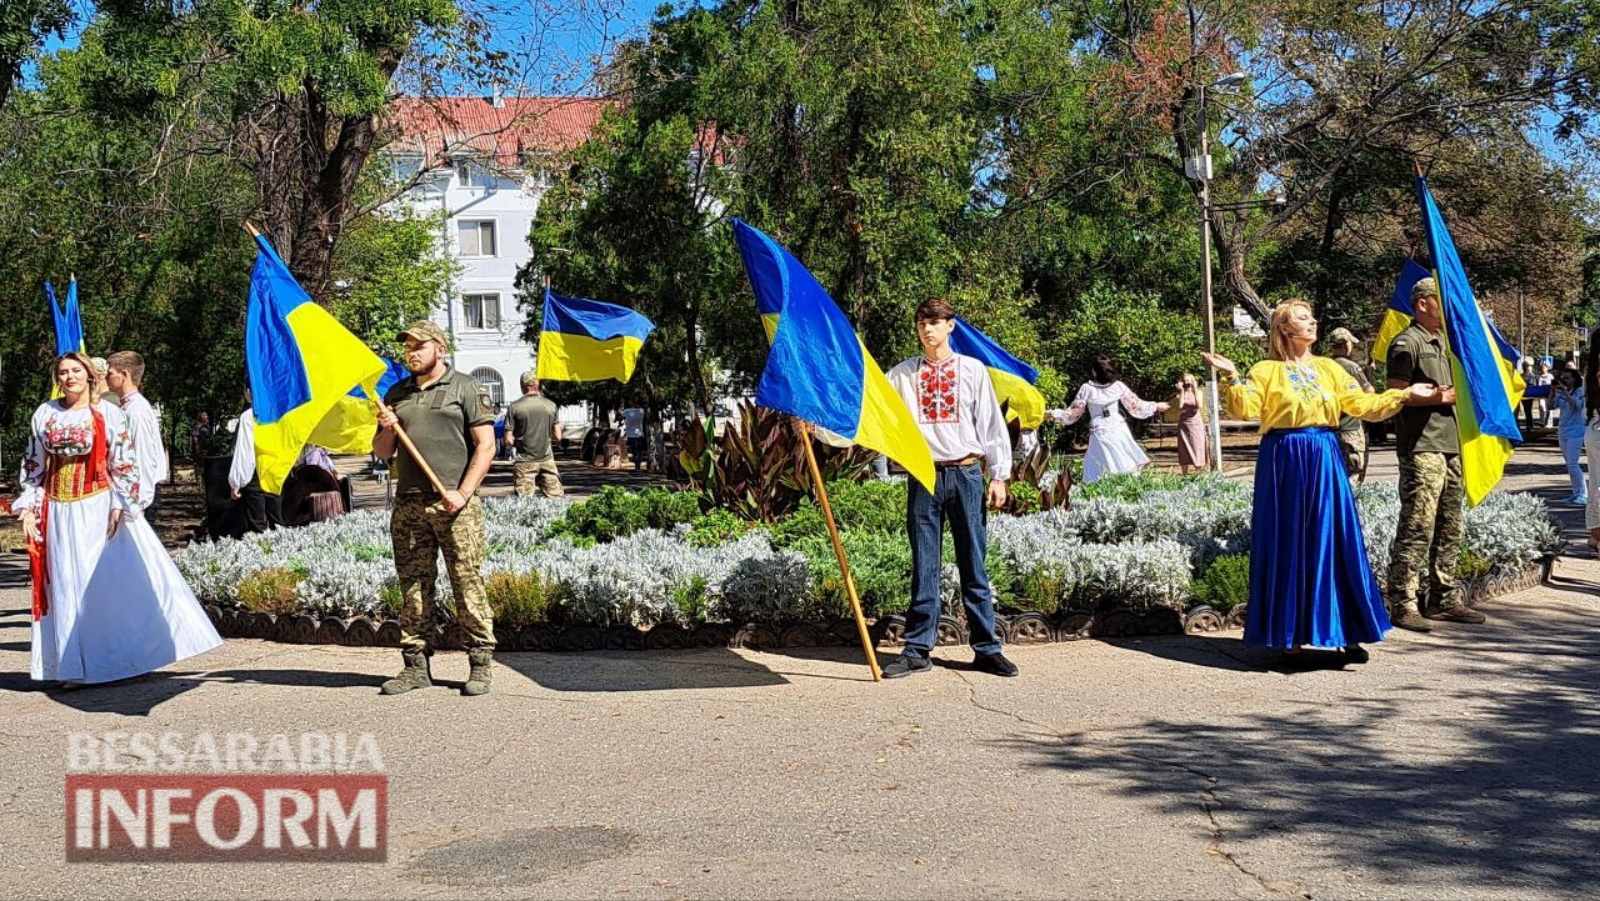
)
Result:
{"points": [[1397, 317], [1013, 379], [585, 340], [302, 363], [352, 422], [1483, 362], [817, 368], [68, 319]]}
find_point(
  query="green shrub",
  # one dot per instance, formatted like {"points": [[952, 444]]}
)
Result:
{"points": [[617, 512], [271, 590], [693, 600], [519, 599], [1472, 565], [716, 527], [390, 598], [1129, 487], [1225, 584], [872, 506], [881, 567], [804, 523], [1024, 499], [1041, 591]]}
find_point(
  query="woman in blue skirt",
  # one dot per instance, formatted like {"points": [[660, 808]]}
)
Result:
{"points": [[1310, 582]]}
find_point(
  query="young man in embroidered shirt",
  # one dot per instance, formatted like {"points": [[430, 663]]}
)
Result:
{"points": [[954, 403], [125, 377]]}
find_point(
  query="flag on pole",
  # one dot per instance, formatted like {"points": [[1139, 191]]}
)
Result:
{"points": [[1398, 315], [817, 368], [584, 340], [1013, 379], [68, 319], [1488, 385], [302, 364]]}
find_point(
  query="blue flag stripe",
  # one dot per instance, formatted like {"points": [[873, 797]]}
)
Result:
{"points": [[278, 381], [970, 341]]}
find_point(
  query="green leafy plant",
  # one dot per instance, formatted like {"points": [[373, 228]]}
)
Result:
{"points": [[1225, 584], [1027, 492], [271, 590], [617, 512], [757, 468], [693, 600], [519, 599], [716, 527], [1130, 486]]}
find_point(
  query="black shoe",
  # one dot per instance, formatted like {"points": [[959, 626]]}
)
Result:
{"points": [[907, 664], [994, 664], [1354, 653]]}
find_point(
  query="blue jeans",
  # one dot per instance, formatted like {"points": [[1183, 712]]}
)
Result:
{"points": [[958, 497]]}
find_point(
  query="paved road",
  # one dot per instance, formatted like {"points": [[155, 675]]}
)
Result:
{"points": [[1460, 764]]}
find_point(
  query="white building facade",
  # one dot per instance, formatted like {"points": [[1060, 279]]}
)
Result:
{"points": [[480, 161]]}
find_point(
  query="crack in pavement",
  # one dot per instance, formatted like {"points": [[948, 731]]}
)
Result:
{"points": [[1209, 802]]}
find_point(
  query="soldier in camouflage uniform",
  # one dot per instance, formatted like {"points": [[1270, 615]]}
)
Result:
{"points": [[452, 430], [1427, 542], [1352, 435]]}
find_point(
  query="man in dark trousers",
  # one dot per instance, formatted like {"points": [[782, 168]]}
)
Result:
{"points": [[441, 412]]}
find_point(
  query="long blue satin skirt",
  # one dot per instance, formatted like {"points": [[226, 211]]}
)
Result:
{"points": [[1310, 582]]}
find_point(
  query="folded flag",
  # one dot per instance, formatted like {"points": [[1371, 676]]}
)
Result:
{"points": [[302, 364], [1013, 379], [68, 319], [584, 340], [817, 368], [1488, 385]]}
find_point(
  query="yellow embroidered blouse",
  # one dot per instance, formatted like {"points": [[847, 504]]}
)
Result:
{"points": [[1297, 395]]}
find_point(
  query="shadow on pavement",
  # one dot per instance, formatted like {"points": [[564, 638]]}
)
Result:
{"points": [[636, 671], [1500, 793], [142, 694]]}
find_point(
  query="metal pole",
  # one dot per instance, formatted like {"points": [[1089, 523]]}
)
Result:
{"points": [[1205, 282], [1522, 322]]}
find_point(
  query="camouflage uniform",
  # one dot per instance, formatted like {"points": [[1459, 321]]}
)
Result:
{"points": [[1427, 541], [421, 529]]}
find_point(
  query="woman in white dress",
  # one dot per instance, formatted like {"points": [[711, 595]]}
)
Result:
{"points": [[108, 603], [1112, 449]]}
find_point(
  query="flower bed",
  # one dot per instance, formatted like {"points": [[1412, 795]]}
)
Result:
{"points": [[643, 569]]}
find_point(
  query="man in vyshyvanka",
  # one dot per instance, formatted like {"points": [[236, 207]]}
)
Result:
{"points": [[108, 603], [125, 377], [954, 404]]}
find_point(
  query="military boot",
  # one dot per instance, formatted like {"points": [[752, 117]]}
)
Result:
{"points": [[415, 675], [479, 676], [1457, 613], [1409, 617]]}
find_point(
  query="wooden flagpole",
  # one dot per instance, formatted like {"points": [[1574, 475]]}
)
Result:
{"points": [[838, 549], [399, 430]]}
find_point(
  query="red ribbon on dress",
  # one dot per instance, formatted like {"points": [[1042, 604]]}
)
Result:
{"points": [[97, 474]]}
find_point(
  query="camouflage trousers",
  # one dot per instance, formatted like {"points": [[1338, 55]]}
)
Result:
{"points": [[1353, 447], [1427, 541], [421, 529], [540, 476]]}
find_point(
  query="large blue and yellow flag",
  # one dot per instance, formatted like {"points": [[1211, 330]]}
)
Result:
{"points": [[302, 364], [817, 368], [68, 319], [1398, 315], [352, 422], [584, 340], [1488, 385], [1013, 379]]}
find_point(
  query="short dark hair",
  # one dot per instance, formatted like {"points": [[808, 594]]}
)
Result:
{"points": [[1102, 369], [935, 308]]}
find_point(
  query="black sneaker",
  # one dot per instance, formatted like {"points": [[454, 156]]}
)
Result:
{"points": [[1354, 653], [907, 664], [994, 664]]}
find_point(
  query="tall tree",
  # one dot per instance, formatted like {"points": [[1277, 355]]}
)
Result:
{"points": [[24, 27]]}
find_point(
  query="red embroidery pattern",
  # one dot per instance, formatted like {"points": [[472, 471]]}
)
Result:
{"points": [[937, 392]]}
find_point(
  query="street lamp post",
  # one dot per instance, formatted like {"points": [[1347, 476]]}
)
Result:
{"points": [[1200, 168]]}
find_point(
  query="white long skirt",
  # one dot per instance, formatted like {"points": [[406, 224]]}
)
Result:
{"points": [[1112, 450], [117, 609]]}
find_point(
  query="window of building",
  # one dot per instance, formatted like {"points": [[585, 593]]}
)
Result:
{"points": [[490, 379], [477, 238], [481, 310]]}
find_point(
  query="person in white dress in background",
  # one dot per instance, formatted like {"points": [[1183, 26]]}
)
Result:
{"points": [[108, 603], [1112, 449]]}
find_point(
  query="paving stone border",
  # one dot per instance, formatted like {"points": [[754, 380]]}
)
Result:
{"points": [[1015, 628]]}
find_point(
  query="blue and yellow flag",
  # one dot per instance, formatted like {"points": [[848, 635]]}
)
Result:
{"points": [[1397, 317], [352, 422], [1013, 379], [585, 340], [817, 368], [68, 319], [302, 363], [1488, 385]]}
